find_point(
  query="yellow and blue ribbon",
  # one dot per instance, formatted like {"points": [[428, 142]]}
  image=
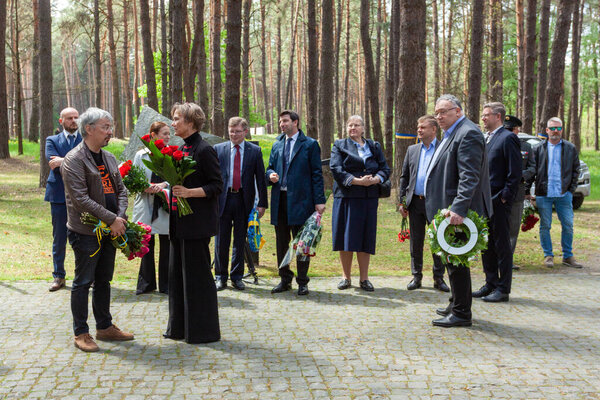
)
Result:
{"points": [[543, 135], [409, 136]]}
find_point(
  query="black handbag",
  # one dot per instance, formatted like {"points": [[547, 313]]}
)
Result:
{"points": [[385, 189]]}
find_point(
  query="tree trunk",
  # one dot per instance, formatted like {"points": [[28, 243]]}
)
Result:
{"points": [[574, 121], [347, 68], [179, 45], [97, 55], [18, 98], [542, 65], [114, 75], [148, 55], [34, 120], [519, 17], [279, 69], [410, 103], [46, 126], [338, 112], [200, 53], [436, 50], [288, 91], [233, 53], [371, 78], [312, 93], [390, 88], [475, 61], [264, 49], [246, 61], [496, 76], [528, 72], [556, 69], [164, 63], [218, 125], [125, 72], [596, 101], [448, 63], [326, 123]]}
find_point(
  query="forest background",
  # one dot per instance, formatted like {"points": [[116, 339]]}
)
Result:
{"points": [[386, 60]]}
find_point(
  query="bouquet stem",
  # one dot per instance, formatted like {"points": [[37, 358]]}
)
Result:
{"points": [[183, 207]]}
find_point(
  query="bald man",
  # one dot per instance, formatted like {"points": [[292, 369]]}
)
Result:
{"points": [[57, 147]]}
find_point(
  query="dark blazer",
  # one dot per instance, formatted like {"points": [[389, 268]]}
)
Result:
{"points": [[505, 165], [57, 145], [410, 167], [458, 177], [304, 179], [528, 163], [569, 167], [253, 168], [345, 164], [204, 221]]}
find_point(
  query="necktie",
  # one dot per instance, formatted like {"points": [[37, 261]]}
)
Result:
{"points": [[237, 179], [489, 137], [286, 157], [71, 139]]}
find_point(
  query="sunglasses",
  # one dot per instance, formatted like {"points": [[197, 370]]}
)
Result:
{"points": [[556, 128]]}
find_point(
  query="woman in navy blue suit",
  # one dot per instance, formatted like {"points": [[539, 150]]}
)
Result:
{"points": [[358, 165]]}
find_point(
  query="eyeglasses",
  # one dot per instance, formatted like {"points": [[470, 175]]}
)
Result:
{"points": [[105, 128], [442, 112], [555, 128]]}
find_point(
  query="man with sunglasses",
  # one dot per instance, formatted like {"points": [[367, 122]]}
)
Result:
{"points": [[556, 180]]}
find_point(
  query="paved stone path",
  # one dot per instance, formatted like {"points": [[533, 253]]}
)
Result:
{"points": [[543, 344]]}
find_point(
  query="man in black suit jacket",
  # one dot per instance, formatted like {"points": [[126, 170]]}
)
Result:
{"points": [[457, 177], [412, 188], [241, 167], [504, 158]]}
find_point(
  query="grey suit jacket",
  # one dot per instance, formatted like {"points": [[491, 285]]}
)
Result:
{"points": [[458, 177]]}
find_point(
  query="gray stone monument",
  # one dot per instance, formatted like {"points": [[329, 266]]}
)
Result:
{"points": [[147, 117]]}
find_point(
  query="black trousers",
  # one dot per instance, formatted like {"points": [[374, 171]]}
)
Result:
{"points": [[97, 270], [193, 308], [460, 286], [417, 223], [283, 235], [516, 214], [58, 211], [147, 275], [498, 258], [234, 216]]}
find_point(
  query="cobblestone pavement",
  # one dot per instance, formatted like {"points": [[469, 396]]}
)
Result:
{"points": [[543, 344]]}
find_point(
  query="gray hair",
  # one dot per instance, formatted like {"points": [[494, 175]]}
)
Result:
{"points": [[90, 117], [554, 119], [358, 117], [451, 98], [497, 108]]}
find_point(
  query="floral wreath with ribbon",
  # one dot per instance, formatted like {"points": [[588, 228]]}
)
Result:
{"points": [[458, 244]]}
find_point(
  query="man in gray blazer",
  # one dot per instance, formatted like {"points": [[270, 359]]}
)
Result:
{"points": [[458, 179]]}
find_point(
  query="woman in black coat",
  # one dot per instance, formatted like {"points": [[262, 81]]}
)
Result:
{"points": [[193, 311], [358, 165]]}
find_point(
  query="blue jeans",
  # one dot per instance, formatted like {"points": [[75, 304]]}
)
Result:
{"points": [[564, 211]]}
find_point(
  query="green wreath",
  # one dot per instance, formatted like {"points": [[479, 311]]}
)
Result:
{"points": [[458, 236]]}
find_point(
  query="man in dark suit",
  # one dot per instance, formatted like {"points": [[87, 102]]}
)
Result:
{"points": [[412, 188], [457, 177], [295, 172], [57, 147], [241, 166], [504, 160], [513, 124]]}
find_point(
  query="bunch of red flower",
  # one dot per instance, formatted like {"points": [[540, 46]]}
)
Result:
{"points": [[125, 168], [169, 150], [404, 230], [529, 218]]}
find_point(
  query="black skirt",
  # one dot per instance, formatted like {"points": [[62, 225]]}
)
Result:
{"points": [[354, 225]]}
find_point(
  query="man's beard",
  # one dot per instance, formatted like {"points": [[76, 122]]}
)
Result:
{"points": [[71, 130]]}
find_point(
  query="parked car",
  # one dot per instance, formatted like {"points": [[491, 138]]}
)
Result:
{"points": [[583, 183]]}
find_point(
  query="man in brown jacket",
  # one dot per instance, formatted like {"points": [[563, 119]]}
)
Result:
{"points": [[93, 185]]}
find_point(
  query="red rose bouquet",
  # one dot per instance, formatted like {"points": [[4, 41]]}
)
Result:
{"points": [[404, 233], [133, 243], [134, 178], [529, 218], [171, 165]]}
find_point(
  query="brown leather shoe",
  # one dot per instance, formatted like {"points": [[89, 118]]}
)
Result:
{"points": [[113, 333], [86, 343], [549, 261], [571, 262], [57, 284]]}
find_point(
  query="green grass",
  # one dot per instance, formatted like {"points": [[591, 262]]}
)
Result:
{"points": [[592, 159], [26, 229]]}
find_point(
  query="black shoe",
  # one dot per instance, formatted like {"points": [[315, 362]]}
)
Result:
{"points": [[440, 285], [344, 284], [515, 267], [367, 286], [238, 284], [450, 321], [414, 284], [302, 290], [444, 311], [482, 292], [281, 287], [496, 297], [221, 285]]}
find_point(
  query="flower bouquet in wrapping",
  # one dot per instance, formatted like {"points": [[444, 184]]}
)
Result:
{"points": [[170, 164], [404, 233], [306, 241], [133, 243], [134, 178], [255, 237], [529, 218]]}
